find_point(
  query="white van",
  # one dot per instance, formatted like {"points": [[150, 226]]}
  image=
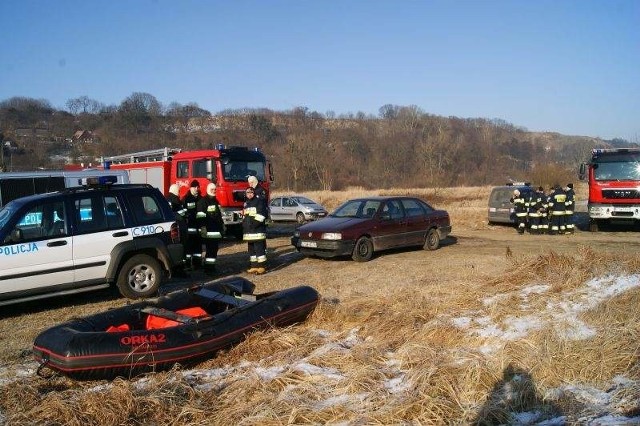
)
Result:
{"points": [[20, 184]]}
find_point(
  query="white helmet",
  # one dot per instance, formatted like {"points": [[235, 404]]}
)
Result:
{"points": [[211, 189], [516, 192], [174, 189]]}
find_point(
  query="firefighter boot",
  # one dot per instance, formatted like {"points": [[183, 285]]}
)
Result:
{"points": [[253, 269]]}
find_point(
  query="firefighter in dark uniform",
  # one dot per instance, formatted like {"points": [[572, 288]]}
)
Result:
{"points": [[174, 200], [176, 206], [569, 208], [254, 231], [543, 208], [211, 227], [259, 192], [193, 246], [520, 210], [533, 212], [557, 210]]}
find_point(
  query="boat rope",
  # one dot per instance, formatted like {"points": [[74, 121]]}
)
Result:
{"points": [[44, 364]]}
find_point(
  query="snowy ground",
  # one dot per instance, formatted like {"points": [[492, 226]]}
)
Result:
{"points": [[600, 406]]}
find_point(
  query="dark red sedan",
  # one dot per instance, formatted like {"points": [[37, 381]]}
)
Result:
{"points": [[362, 226]]}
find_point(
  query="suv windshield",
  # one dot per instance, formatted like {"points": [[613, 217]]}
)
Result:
{"points": [[5, 213]]}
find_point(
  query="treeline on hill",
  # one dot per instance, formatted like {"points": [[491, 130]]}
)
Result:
{"points": [[401, 147]]}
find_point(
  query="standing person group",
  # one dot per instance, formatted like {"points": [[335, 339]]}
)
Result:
{"points": [[542, 213], [203, 219]]}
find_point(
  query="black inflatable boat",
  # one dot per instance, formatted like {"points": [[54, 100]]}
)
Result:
{"points": [[182, 327]]}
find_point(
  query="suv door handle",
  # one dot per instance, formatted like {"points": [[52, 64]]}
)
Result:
{"points": [[120, 234], [57, 243]]}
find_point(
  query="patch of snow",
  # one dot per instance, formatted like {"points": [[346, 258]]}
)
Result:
{"points": [[312, 370], [396, 384], [526, 418], [462, 322]]}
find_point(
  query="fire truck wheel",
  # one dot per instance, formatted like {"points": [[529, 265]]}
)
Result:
{"points": [[140, 277]]}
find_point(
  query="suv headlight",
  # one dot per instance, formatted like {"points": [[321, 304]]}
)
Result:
{"points": [[331, 236]]}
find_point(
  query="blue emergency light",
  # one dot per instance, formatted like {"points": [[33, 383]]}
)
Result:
{"points": [[98, 181]]}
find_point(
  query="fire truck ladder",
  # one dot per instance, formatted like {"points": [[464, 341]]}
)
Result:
{"points": [[161, 154]]}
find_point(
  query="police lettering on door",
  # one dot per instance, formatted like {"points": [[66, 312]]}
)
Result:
{"points": [[141, 231], [19, 249]]}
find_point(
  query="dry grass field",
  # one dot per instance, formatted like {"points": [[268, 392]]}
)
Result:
{"points": [[492, 328]]}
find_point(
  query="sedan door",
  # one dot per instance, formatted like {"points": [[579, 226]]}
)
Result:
{"points": [[391, 226], [418, 222]]}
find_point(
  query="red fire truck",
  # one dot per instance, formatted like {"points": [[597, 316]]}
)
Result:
{"points": [[614, 186], [227, 167]]}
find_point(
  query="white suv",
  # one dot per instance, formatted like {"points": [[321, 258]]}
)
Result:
{"points": [[85, 239]]}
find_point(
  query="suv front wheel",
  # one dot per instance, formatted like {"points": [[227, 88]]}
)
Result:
{"points": [[140, 277]]}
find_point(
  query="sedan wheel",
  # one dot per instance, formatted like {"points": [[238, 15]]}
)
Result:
{"points": [[432, 241], [363, 251], [300, 218]]}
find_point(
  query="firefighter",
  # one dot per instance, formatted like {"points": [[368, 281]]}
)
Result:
{"points": [[520, 210], [543, 209], [258, 190], [533, 212], [211, 227], [178, 208], [260, 194], [569, 208], [174, 200], [254, 231], [557, 210], [193, 246]]}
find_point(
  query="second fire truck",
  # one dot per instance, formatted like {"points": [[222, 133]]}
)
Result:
{"points": [[614, 186]]}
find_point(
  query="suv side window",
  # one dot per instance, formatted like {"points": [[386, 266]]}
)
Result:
{"points": [[42, 221], [145, 209], [90, 214], [113, 213]]}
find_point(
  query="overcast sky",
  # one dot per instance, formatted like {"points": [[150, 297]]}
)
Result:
{"points": [[568, 66]]}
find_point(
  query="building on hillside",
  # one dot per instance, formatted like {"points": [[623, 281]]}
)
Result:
{"points": [[83, 136]]}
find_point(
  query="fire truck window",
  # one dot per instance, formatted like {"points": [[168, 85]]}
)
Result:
{"points": [[200, 168], [182, 169]]}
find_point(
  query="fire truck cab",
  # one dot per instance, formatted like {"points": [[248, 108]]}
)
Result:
{"points": [[614, 186], [227, 167]]}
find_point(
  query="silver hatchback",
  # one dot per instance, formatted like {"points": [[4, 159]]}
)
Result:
{"points": [[295, 207]]}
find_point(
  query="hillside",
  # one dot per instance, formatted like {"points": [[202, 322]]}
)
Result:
{"points": [[402, 147]]}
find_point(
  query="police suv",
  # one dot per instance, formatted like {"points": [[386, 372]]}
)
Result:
{"points": [[87, 238]]}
